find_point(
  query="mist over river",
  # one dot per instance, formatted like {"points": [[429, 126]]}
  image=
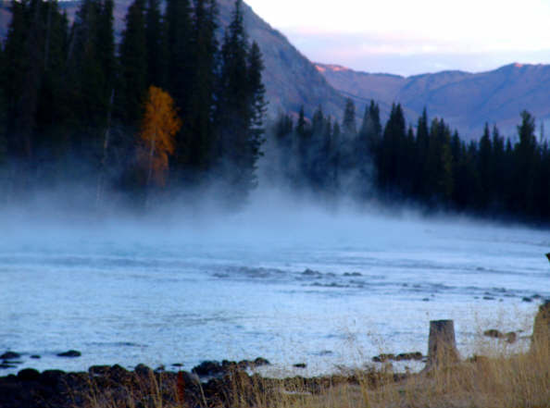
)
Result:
{"points": [[291, 284]]}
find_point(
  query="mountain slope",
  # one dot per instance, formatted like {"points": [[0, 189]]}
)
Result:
{"points": [[291, 80], [465, 100]]}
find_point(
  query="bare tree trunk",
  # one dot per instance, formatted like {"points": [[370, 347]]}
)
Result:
{"points": [[150, 172], [106, 141]]}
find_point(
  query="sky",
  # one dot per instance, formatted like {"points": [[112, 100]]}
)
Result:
{"points": [[409, 37]]}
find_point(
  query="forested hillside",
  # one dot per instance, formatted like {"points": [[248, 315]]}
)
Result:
{"points": [[73, 101], [173, 106], [426, 163]]}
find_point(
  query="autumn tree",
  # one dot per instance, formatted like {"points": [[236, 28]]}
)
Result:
{"points": [[160, 124]]}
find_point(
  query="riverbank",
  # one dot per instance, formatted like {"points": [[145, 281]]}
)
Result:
{"points": [[516, 381]]}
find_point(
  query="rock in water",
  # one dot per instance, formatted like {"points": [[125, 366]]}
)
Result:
{"points": [[548, 256], [10, 355], [70, 353], [495, 334]]}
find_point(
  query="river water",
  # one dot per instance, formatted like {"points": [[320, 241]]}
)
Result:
{"points": [[293, 286]]}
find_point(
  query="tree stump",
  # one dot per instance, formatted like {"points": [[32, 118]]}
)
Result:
{"points": [[540, 342], [442, 349]]}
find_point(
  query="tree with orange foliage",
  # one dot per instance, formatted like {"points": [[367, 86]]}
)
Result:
{"points": [[160, 124]]}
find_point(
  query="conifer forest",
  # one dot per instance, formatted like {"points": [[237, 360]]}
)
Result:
{"points": [[177, 102]]}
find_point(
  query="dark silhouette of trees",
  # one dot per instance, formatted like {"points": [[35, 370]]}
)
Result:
{"points": [[71, 99]]}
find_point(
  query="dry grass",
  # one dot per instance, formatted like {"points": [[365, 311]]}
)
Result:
{"points": [[500, 381]]}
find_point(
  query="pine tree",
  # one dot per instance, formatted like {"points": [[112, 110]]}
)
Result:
{"points": [[88, 94], [349, 126], [525, 165], [239, 104], [25, 45], [177, 19], [371, 129], [155, 38], [53, 108], [484, 166], [257, 102], [301, 125], [392, 151], [421, 164], [133, 61], [200, 134], [106, 41]]}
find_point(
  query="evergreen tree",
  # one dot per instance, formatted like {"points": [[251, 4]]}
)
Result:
{"points": [[257, 102], [200, 129], [392, 150], [53, 107], [318, 122], [349, 126], [88, 94], [240, 106], [106, 41], [156, 51], [301, 126], [484, 166], [25, 45], [371, 129], [420, 184], [133, 61], [178, 42], [525, 165]]}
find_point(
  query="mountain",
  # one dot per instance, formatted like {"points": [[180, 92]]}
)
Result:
{"points": [[291, 80], [465, 100]]}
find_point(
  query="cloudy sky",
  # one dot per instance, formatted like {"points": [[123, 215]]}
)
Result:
{"points": [[409, 37]]}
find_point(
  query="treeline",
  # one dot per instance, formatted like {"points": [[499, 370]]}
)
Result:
{"points": [[72, 98], [427, 164]]}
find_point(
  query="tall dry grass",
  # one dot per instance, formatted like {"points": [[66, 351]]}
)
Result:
{"points": [[502, 380]]}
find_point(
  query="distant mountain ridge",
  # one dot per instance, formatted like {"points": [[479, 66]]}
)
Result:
{"points": [[465, 100]]}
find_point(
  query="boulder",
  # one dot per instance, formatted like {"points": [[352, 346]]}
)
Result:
{"points": [[511, 337], [210, 368], [99, 370], [143, 371], [28, 374], [260, 361], [10, 355], [416, 356], [493, 333], [118, 373], [52, 378]]}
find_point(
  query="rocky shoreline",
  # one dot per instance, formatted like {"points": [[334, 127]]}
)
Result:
{"points": [[223, 384], [209, 384]]}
